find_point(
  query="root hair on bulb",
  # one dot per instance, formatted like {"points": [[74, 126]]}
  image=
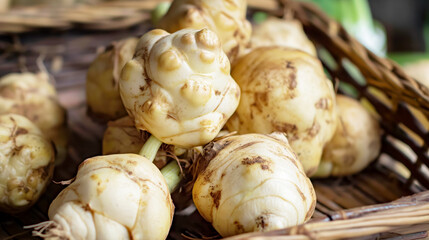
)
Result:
{"points": [[47, 229]]}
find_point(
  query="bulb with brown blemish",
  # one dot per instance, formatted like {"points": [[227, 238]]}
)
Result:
{"points": [[227, 18], [286, 90], [119, 196], [102, 89], [26, 163], [178, 86], [356, 142], [33, 96], [252, 182]]}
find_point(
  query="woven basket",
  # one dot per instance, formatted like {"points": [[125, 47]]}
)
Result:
{"points": [[81, 14], [386, 201], [60, 15]]}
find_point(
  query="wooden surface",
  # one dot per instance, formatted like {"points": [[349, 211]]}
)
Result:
{"points": [[67, 56]]}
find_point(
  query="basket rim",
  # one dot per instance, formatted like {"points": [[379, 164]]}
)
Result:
{"points": [[409, 210]]}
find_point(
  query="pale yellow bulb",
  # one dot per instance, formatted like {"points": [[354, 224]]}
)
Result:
{"points": [[227, 18], [286, 90], [177, 86], [253, 182], [26, 163]]}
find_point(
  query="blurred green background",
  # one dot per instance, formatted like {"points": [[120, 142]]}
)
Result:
{"points": [[396, 28]]}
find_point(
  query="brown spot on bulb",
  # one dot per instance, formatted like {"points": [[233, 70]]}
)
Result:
{"points": [[239, 227], [210, 151], [261, 222], [43, 172], [246, 145], [261, 97], [207, 175], [257, 105], [169, 61], [292, 81], [289, 65], [310, 171], [171, 115], [290, 129], [143, 88], [87, 208], [323, 103], [29, 194], [216, 195], [233, 52], [131, 162], [237, 93], [257, 160], [207, 39], [147, 106], [290, 78], [16, 150], [314, 130]]}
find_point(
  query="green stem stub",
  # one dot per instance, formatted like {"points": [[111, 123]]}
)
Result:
{"points": [[171, 171], [150, 148], [172, 175]]}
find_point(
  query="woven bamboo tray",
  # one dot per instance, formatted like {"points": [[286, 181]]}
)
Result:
{"points": [[83, 14], [368, 205]]}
